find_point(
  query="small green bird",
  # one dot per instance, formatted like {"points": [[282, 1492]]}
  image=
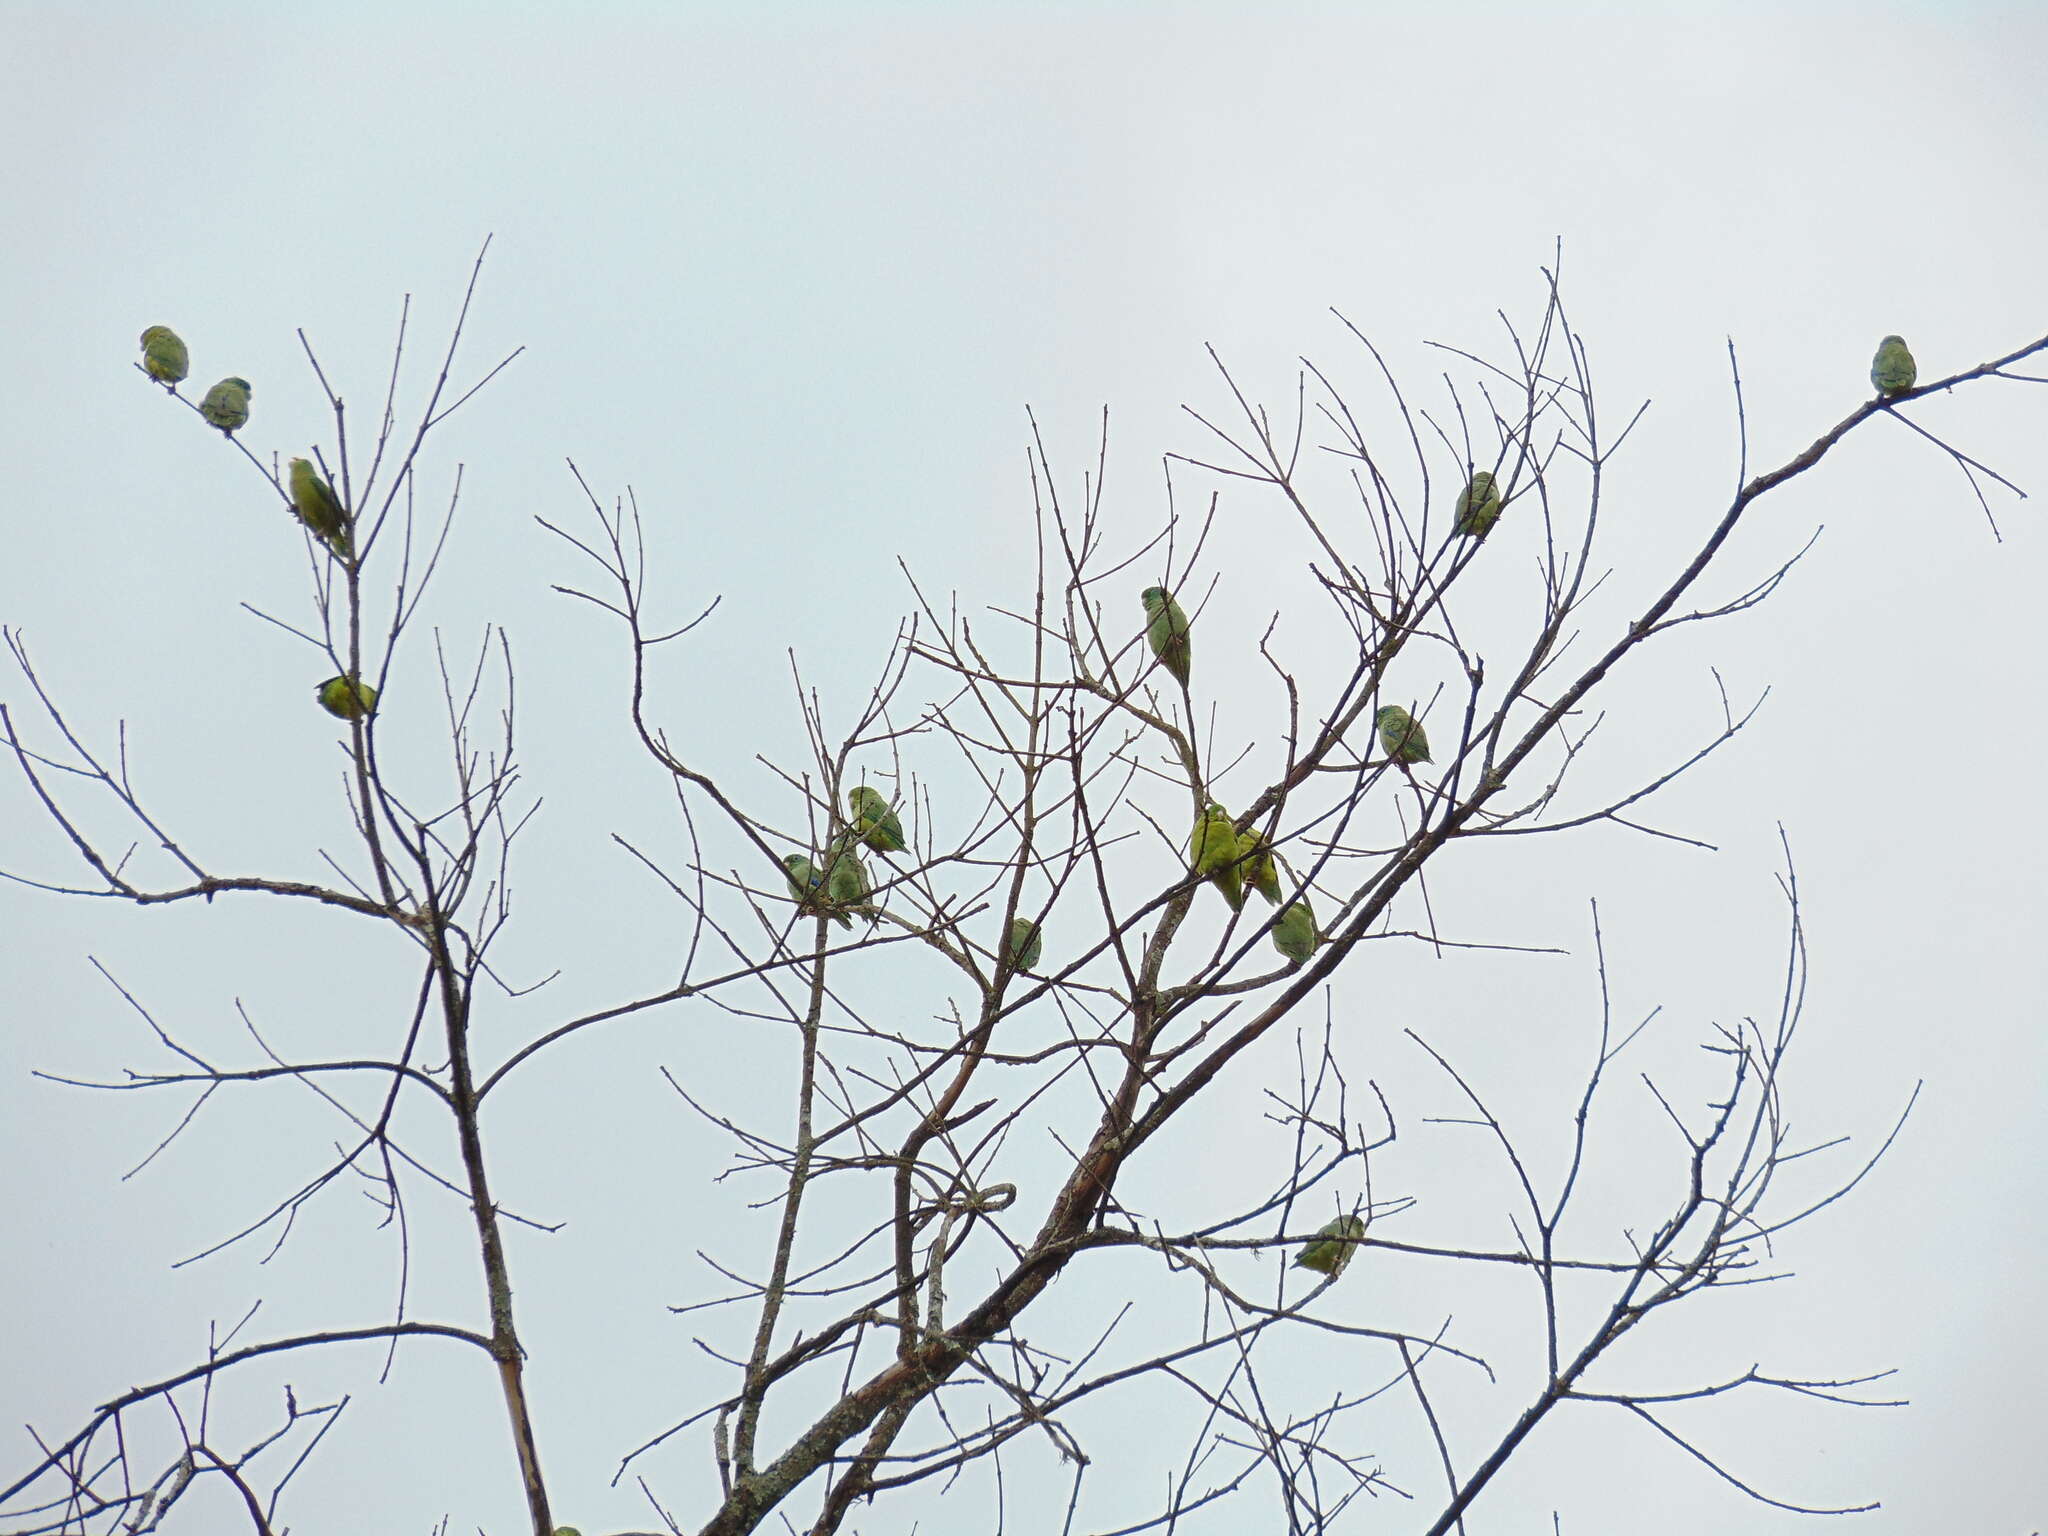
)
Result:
{"points": [[1893, 371], [347, 698], [1478, 506], [846, 878], [317, 506], [1167, 632], [1294, 934], [1329, 1251], [1212, 851], [1026, 944], [807, 886], [874, 820], [164, 357], [1255, 864], [227, 405], [1401, 735]]}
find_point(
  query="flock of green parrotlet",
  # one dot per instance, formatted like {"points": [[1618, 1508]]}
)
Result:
{"points": [[842, 887], [226, 406], [1232, 860], [1229, 859]]}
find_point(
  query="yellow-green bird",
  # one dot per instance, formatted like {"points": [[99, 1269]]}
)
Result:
{"points": [[227, 405], [1478, 506], [1294, 934], [313, 499], [1213, 851], [1255, 864], [807, 886], [874, 820], [1893, 371], [1026, 944], [1167, 632], [164, 357], [347, 698], [1401, 735], [1329, 1250]]}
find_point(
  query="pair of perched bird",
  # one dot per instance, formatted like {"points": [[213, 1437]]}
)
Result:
{"points": [[843, 886], [1232, 860], [1170, 636], [165, 359], [844, 881]]}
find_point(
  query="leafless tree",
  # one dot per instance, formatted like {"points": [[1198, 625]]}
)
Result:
{"points": [[971, 1121]]}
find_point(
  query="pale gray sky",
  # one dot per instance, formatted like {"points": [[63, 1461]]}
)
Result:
{"points": [[794, 273]]}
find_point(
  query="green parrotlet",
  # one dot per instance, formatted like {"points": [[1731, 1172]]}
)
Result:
{"points": [[1893, 371], [1478, 506], [874, 820], [1213, 851], [1255, 865], [1026, 944], [313, 499], [164, 357], [1328, 1252], [808, 887], [1294, 935], [1167, 632], [227, 405], [846, 878], [347, 698], [1401, 735]]}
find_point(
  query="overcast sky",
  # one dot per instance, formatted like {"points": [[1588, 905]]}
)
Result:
{"points": [[794, 274]]}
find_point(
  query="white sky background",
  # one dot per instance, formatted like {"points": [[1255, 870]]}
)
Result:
{"points": [[794, 279]]}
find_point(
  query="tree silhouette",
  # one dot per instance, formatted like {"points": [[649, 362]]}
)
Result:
{"points": [[1020, 924]]}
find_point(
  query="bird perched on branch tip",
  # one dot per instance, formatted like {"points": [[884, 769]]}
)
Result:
{"points": [[164, 357]]}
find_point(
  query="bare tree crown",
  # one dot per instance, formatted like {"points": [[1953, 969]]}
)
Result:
{"points": [[1022, 920]]}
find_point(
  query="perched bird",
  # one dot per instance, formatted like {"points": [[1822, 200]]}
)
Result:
{"points": [[1255, 864], [227, 405], [1401, 735], [1167, 632], [874, 820], [846, 878], [808, 887], [1478, 506], [1892, 371], [347, 698], [1294, 934], [164, 357], [1328, 1252], [1026, 944], [318, 507], [1213, 851]]}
